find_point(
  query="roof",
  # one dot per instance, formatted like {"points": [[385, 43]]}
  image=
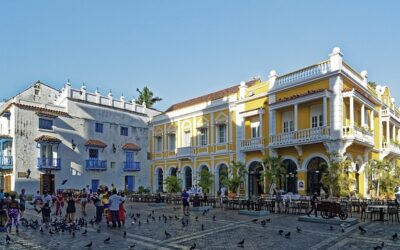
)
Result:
{"points": [[41, 110], [48, 139], [95, 143], [209, 97], [5, 137], [131, 146]]}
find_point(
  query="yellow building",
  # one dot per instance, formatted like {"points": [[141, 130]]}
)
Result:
{"points": [[302, 116]]}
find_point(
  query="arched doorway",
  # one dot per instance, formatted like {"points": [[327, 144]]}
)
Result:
{"points": [[357, 176], [222, 176], [290, 179], [255, 184], [173, 171], [316, 168], [204, 179], [160, 180], [188, 178]]}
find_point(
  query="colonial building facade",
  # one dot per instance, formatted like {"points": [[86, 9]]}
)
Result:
{"points": [[49, 135], [302, 116]]}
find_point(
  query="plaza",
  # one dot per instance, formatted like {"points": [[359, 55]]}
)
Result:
{"points": [[225, 232]]}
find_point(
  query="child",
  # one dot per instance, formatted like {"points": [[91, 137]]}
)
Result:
{"points": [[46, 213], [13, 213], [71, 209], [122, 212]]}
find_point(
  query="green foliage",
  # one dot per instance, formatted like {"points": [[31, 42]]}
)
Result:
{"points": [[237, 176], [372, 84], [338, 178], [274, 169], [224, 178], [146, 96], [172, 184], [206, 180], [143, 190], [382, 178]]}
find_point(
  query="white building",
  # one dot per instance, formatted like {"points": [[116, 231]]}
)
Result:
{"points": [[72, 134]]}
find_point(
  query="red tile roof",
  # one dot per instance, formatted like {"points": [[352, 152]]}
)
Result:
{"points": [[95, 143], [131, 146], [48, 138], [40, 110], [209, 97]]}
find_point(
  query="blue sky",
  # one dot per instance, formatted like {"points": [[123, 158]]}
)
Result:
{"points": [[182, 49]]}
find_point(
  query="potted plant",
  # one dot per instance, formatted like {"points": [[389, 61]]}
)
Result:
{"points": [[237, 177], [172, 184]]}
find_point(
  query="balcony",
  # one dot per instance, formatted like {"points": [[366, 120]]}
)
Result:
{"points": [[302, 136], [388, 112], [361, 135], [391, 148], [95, 164], [185, 152], [254, 144], [6, 162], [45, 163], [131, 166]]}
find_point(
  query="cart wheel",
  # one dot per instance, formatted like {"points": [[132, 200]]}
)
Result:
{"points": [[343, 215], [324, 214]]}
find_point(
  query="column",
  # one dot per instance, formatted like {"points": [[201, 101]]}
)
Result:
{"points": [[324, 111], [272, 122], [296, 117], [371, 120], [260, 114], [351, 111], [394, 133], [362, 115], [387, 133]]}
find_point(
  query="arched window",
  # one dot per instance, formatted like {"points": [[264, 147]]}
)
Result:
{"points": [[316, 168], [290, 178], [254, 177]]}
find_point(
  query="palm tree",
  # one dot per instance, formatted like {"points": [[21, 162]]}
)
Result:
{"points": [[377, 169], [146, 96], [273, 169], [237, 176]]}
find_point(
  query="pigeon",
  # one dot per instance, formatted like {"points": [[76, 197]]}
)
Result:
{"points": [[193, 246], [51, 232], [202, 227], [196, 218], [63, 182], [152, 211], [362, 230], [132, 246], [268, 220], [255, 220], [204, 212], [280, 232], [73, 234], [89, 245], [147, 221], [41, 230], [331, 228], [140, 223], [8, 239], [394, 236], [183, 224], [263, 223], [167, 235], [287, 235], [298, 229], [213, 217], [379, 246], [176, 217], [124, 234], [84, 232], [107, 240], [241, 243]]}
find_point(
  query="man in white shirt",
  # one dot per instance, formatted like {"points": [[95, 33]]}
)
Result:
{"points": [[47, 199], [115, 200]]}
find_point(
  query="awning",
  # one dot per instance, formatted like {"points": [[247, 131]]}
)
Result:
{"points": [[48, 139], [131, 147], [95, 144]]}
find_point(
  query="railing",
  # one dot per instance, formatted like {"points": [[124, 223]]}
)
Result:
{"points": [[94, 164], [352, 72], [131, 166], [45, 163], [359, 134], [253, 144], [392, 147], [185, 151], [302, 74], [300, 136], [6, 162], [390, 111]]}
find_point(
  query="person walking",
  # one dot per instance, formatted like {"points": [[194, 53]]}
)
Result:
{"points": [[313, 202], [59, 203], [46, 214], [98, 202], [185, 202], [122, 211], [22, 200], [84, 199], [115, 200], [13, 213], [71, 209]]}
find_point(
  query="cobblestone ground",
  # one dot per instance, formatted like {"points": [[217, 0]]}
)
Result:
{"points": [[224, 233]]}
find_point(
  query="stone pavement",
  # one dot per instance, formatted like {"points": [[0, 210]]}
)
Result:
{"points": [[224, 233]]}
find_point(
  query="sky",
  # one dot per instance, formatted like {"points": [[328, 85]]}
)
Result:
{"points": [[183, 49]]}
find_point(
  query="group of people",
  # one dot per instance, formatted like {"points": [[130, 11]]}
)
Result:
{"points": [[11, 209], [111, 203]]}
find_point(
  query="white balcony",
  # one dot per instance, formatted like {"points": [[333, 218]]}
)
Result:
{"points": [[303, 136], [254, 144], [391, 148], [185, 152], [359, 134]]}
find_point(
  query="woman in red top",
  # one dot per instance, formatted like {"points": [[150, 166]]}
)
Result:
{"points": [[59, 203], [122, 212]]}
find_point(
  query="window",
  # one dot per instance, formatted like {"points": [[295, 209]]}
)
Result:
{"points": [[187, 136], [288, 124], [45, 124], [317, 118], [99, 127], [255, 129], [93, 154], [75, 172], [158, 144], [203, 136], [221, 130], [129, 156], [171, 142], [124, 131]]}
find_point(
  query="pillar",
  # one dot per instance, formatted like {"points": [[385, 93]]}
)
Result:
{"points": [[351, 111], [261, 122], [394, 133], [371, 120], [296, 117], [362, 115], [324, 111], [387, 133]]}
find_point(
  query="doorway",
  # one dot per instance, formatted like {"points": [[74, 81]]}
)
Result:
{"points": [[47, 183]]}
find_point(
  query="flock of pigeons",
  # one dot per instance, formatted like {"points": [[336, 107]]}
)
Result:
{"points": [[60, 226]]}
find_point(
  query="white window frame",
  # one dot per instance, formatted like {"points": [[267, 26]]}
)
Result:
{"points": [[222, 133], [170, 146], [187, 138], [287, 122], [158, 144], [203, 136], [316, 116], [255, 129]]}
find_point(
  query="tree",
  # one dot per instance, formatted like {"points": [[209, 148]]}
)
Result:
{"points": [[146, 96], [383, 177], [206, 180], [237, 176], [224, 178], [172, 184], [273, 169]]}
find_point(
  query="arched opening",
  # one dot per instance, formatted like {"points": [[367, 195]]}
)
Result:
{"points": [[290, 179], [204, 179], [173, 171], [188, 178], [255, 182], [315, 169], [222, 176], [160, 180], [357, 176]]}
